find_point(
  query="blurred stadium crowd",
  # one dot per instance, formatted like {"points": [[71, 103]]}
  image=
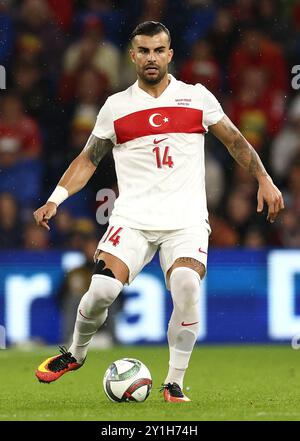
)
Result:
{"points": [[63, 58]]}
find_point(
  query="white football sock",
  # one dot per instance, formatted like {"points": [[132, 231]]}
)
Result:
{"points": [[183, 327], [92, 312]]}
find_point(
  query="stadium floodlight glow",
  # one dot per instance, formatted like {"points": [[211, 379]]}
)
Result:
{"points": [[71, 260]]}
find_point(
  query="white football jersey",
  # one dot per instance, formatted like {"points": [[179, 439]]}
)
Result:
{"points": [[159, 154]]}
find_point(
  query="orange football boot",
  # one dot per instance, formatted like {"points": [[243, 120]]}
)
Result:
{"points": [[54, 367], [172, 393]]}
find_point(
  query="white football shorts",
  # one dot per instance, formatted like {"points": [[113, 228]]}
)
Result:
{"points": [[136, 248]]}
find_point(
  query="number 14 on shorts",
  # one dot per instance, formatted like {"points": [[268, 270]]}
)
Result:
{"points": [[113, 236]]}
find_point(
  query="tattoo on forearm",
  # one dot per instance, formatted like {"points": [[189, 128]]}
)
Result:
{"points": [[96, 148], [246, 156], [238, 147]]}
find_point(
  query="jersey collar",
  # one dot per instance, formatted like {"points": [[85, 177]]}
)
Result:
{"points": [[166, 92]]}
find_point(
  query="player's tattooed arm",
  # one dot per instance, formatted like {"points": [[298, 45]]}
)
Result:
{"points": [[96, 148], [243, 152], [238, 147], [84, 165], [75, 177]]}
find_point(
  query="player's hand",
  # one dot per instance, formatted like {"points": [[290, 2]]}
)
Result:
{"points": [[269, 193], [43, 214]]}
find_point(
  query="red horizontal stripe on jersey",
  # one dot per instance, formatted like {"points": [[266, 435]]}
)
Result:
{"points": [[158, 121]]}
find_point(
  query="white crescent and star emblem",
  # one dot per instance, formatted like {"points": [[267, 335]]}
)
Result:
{"points": [[159, 119]]}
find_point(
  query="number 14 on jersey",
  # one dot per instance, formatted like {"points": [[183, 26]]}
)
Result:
{"points": [[163, 159]]}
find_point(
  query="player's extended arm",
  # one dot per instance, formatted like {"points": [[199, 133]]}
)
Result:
{"points": [[75, 177], [246, 156]]}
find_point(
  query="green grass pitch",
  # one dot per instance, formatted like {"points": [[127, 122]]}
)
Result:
{"points": [[224, 383]]}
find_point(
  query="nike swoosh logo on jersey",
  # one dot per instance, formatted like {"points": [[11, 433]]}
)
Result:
{"points": [[188, 324], [201, 251], [160, 140]]}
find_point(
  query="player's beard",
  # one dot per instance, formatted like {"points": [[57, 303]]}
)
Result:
{"points": [[152, 79]]}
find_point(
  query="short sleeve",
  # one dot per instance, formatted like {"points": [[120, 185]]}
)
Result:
{"points": [[104, 127], [212, 109]]}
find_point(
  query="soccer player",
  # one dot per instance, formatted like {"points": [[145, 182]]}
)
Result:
{"points": [[156, 131]]}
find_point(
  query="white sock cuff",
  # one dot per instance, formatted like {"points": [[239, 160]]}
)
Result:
{"points": [[117, 282], [184, 269]]}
